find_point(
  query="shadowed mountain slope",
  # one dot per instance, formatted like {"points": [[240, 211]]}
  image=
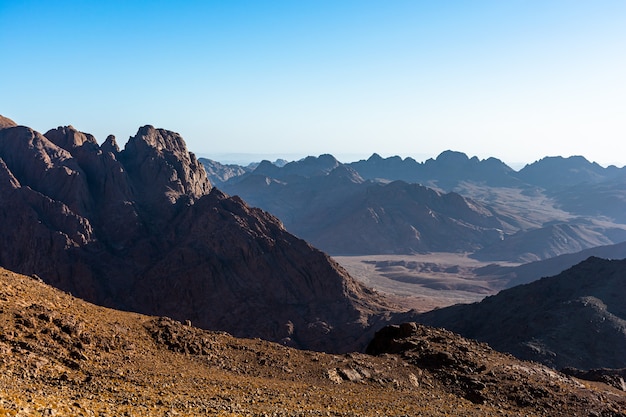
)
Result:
{"points": [[575, 319], [549, 241], [142, 229], [406, 218]]}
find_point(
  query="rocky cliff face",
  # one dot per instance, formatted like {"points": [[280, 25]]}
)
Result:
{"points": [[142, 229]]}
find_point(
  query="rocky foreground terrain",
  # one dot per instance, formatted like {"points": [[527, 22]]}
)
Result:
{"points": [[62, 356]]}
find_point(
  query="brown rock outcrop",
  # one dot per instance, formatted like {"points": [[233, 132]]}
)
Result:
{"points": [[142, 229], [6, 122]]}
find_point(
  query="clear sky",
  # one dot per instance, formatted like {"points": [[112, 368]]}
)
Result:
{"points": [[513, 79]]}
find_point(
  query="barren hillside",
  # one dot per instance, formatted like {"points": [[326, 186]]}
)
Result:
{"points": [[63, 356]]}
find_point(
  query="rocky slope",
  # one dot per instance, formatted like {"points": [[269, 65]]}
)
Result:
{"points": [[404, 218], [142, 229], [62, 356], [574, 319], [512, 276], [548, 242]]}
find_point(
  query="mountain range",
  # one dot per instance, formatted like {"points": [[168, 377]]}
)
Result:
{"points": [[142, 229], [551, 207]]}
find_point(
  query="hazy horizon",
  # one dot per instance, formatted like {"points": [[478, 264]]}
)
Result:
{"points": [[514, 80], [245, 159]]}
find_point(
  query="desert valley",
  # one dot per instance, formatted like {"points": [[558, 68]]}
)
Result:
{"points": [[145, 281]]}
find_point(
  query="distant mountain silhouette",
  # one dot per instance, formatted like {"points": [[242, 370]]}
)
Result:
{"points": [[446, 171], [331, 211], [450, 168], [575, 319], [218, 173], [338, 211], [557, 171], [308, 167], [142, 229], [581, 187]]}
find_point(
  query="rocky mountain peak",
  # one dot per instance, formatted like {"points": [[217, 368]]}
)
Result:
{"points": [[45, 167], [69, 138], [346, 172], [452, 157], [110, 145], [162, 169], [375, 158], [6, 122], [159, 139]]}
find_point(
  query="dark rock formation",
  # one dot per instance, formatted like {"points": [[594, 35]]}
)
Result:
{"points": [[575, 319], [613, 377], [142, 229], [473, 370]]}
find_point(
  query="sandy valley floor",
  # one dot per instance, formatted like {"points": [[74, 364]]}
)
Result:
{"points": [[423, 281]]}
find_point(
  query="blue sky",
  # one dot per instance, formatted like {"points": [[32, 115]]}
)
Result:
{"points": [[517, 80]]}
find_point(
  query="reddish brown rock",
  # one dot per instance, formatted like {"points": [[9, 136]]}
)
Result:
{"points": [[6, 122]]}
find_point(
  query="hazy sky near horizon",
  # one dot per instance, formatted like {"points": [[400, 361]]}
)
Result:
{"points": [[514, 79]]}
